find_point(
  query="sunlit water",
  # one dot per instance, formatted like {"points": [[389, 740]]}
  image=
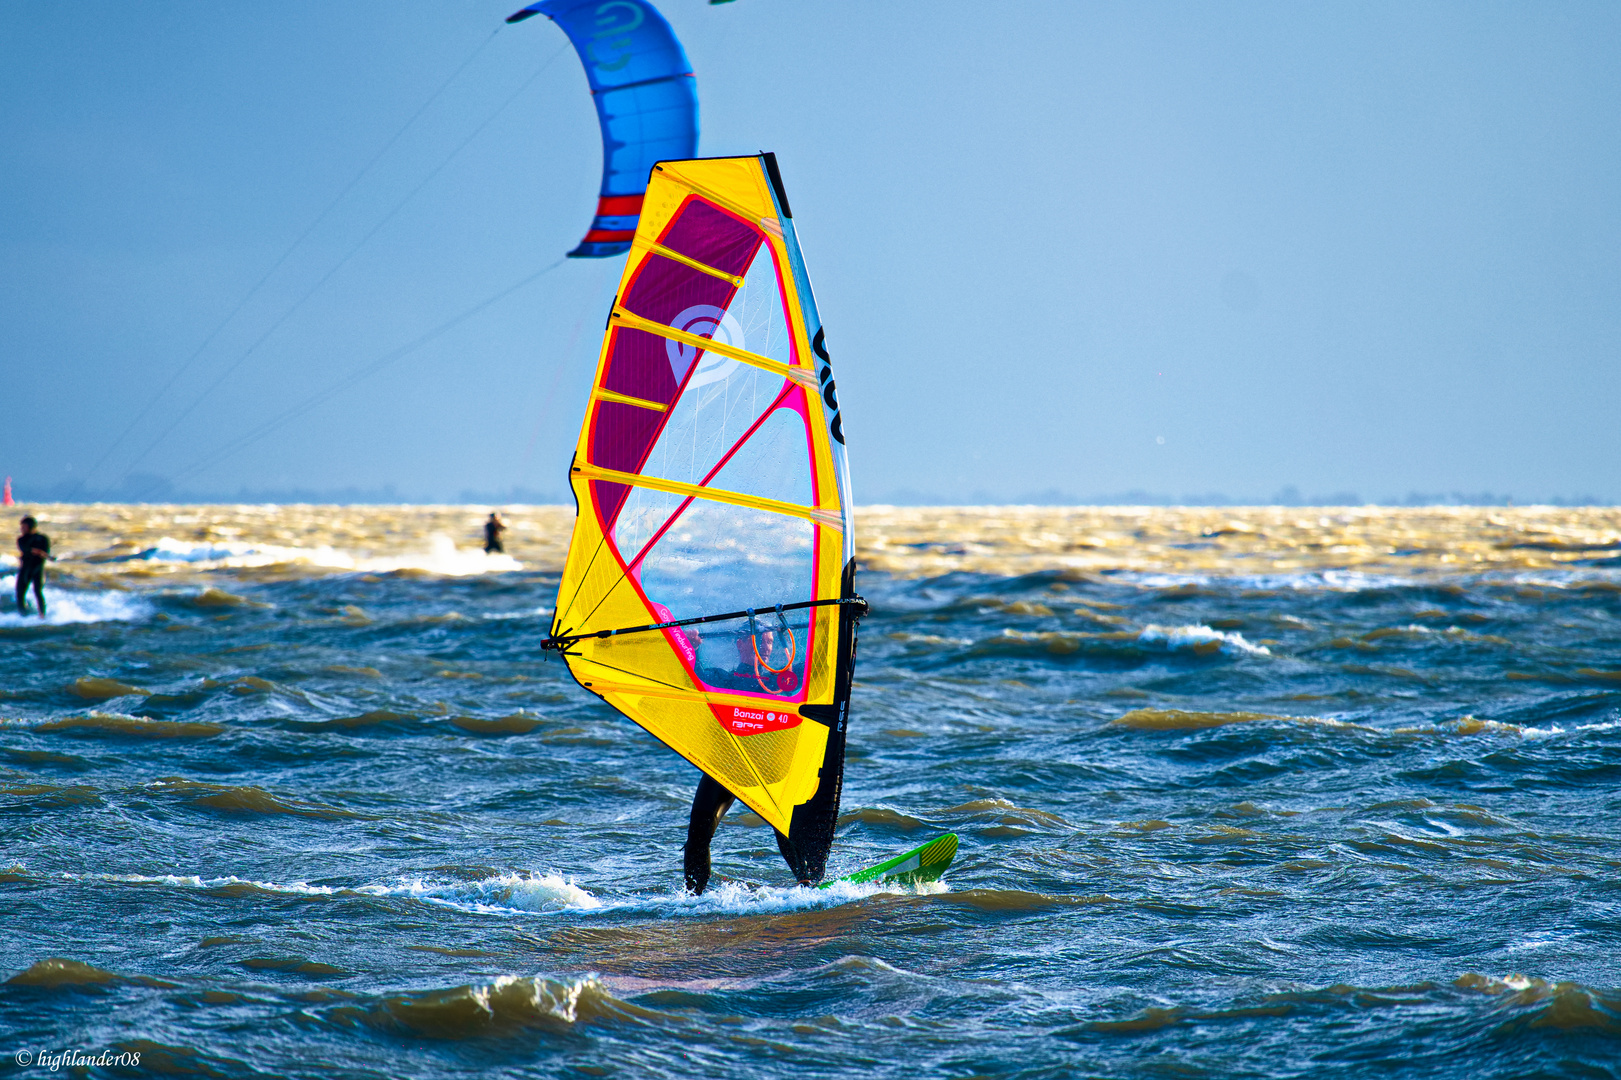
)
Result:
{"points": [[1271, 793]]}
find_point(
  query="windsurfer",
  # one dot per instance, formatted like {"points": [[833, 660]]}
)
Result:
{"points": [[755, 668], [33, 549], [760, 705]]}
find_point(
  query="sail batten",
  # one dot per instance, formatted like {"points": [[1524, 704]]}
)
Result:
{"points": [[660, 249], [602, 394], [710, 475], [830, 518], [802, 376]]}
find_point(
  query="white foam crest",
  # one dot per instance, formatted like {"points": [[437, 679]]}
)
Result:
{"points": [[736, 898], [1542, 940], [551, 893], [537, 613], [1555, 578], [1468, 725], [1515, 982], [210, 554], [64, 606], [501, 894], [1524, 731], [1607, 725], [1359, 580], [513, 894], [195, 881], [442, 557], [1193, 637], [1304, 580], [498, 895]]}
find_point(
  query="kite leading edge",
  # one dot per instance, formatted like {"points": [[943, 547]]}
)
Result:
{"points": [[646, 98]]}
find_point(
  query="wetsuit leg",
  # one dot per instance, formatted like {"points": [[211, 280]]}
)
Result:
{"points": [[709, 805], [26, 576]]}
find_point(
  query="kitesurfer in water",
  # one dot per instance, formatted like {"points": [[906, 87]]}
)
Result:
{"points": [[33, 548], [493, 528]]}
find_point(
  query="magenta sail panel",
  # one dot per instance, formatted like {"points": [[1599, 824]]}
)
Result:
{"points": [[712, 237], [652, 368], [640, 367]]}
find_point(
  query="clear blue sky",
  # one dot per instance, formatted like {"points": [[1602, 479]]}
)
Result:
{"points": [[1369, 249]]}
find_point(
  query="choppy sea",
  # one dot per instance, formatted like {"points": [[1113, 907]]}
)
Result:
{"points": [[289, 792]]}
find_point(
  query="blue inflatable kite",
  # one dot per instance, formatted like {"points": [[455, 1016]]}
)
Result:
{"points": [[647, 103]]}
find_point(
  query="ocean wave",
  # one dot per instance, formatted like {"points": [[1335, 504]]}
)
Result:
{"points": [[535, 613], [1465, 726], [1355, 581], [241, 799], [56, 972], [1298, 580], [505, 1006], [550, 893], [1201, 639], [67, 606], [1526, 1001], [499, 894], [124, 724], [1197, 639], [443, 558], [1192, 720], [538, 893], [1535, 1002]]}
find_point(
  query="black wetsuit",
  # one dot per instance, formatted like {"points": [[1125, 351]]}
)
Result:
{"points": [[709, 804], [492, 538], [34, 547]]}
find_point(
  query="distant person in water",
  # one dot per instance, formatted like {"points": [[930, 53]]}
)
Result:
{"points": [[493, 529], [33, 548]]}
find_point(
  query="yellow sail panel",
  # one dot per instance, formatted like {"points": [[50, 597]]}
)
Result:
{"points": [[712, 480]]}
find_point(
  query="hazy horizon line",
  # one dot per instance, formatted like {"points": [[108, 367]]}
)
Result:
{"points": [[149, 490], [1409, 503]]}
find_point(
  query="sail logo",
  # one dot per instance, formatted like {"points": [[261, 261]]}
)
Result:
{"points": [[744, 721], [831, 399], [615, 20], [704, 320]]}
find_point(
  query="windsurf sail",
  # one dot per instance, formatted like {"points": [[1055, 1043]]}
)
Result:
{"points": [[646, 97], [709, 590]]}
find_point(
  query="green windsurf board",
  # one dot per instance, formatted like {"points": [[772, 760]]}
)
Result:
{"points": [[924, 863]]}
